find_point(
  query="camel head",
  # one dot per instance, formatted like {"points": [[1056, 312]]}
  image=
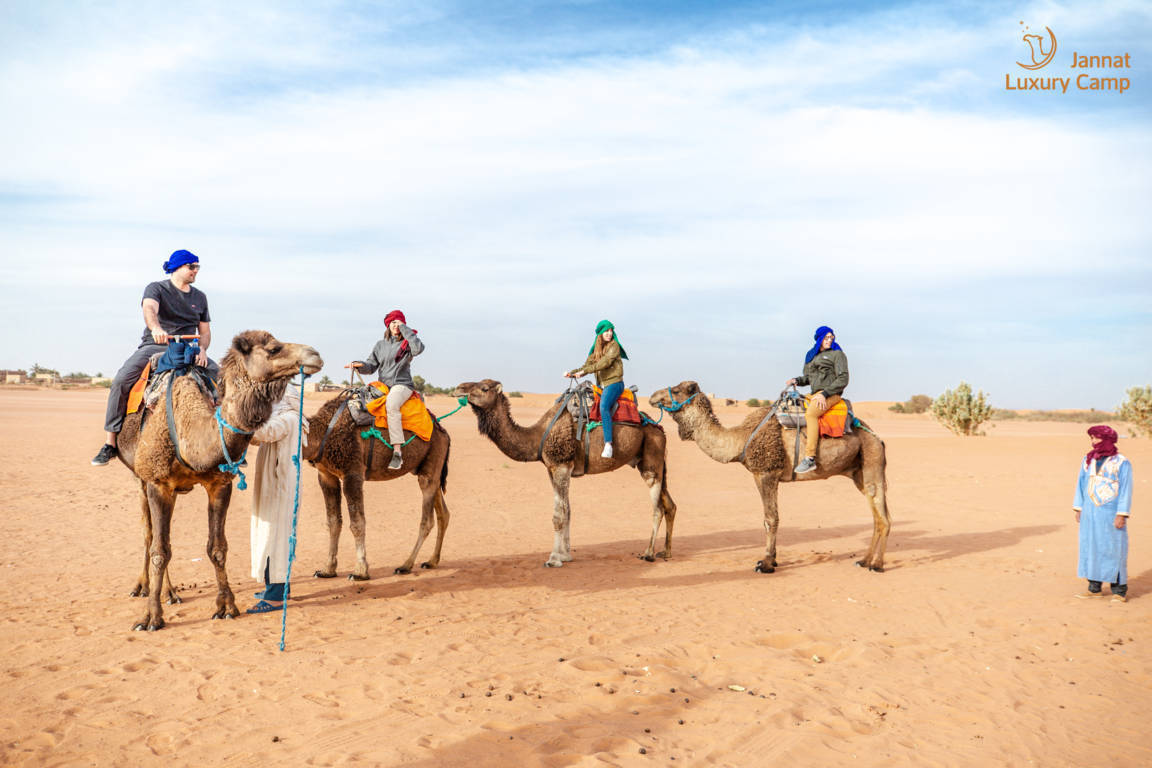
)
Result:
{"points": [[259, 358], [689, 396], [482, 395]]}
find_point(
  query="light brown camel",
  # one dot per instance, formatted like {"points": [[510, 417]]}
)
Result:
{"points": [[344, 457], [770, 458], [253, 376], [636, 446]]}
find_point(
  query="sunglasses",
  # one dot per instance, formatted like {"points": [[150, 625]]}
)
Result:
{"points": [[193, 267]]}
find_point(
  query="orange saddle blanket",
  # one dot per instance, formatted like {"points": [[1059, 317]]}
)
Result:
{"points": [[136, 394], [833, 420], [626, 411], [414, 415]]}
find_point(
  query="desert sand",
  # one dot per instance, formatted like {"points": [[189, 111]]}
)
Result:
{"points": [[969, 650]]}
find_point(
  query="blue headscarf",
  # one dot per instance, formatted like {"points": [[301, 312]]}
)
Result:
{"points": [[821, 332], [179, 259]]}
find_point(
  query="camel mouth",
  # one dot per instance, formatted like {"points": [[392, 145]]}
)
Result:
{"points": [[312, 362]]}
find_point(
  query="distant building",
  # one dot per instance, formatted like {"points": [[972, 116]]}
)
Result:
{"points": [[13, 377]]}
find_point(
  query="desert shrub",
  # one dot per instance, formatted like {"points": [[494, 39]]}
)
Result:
{"points": [[1003, 414], [914, 404], [515, 394], [1137, 409], [754, 402], [960, 412]]}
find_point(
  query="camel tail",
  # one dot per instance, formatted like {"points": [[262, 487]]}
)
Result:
{"points": [[444, 473]]}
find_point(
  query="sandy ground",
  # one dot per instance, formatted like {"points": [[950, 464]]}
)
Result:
{"points": [[969, 650]]}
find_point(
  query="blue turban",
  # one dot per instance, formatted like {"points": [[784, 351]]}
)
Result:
{"points": [[179, 259], [821, 332]]}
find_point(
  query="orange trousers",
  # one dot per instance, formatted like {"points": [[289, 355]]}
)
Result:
{"points": [[812, 418]]}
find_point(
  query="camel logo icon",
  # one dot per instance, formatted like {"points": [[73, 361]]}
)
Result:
{"points": [[1036, 44]]}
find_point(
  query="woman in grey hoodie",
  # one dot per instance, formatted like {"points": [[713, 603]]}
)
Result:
{"points": [[393, 355]]}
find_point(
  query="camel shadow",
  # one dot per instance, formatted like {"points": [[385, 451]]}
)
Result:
{"points": [[610, 566]]}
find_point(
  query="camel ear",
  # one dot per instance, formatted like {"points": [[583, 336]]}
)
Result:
{"points": [[242, 345], [691, 388], [499, 387]]}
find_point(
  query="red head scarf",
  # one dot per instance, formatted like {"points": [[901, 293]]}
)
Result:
{"points": [[1107, 445], [398, 315]]}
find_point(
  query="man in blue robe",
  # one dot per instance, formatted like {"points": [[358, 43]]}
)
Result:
{"points": [[1102, 505]]}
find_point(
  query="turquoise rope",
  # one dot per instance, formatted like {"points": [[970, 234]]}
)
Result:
{"points": [[373, 432], [295, 510], [229, 465]]}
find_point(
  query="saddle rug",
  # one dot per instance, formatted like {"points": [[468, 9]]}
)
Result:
{"points": [[152, 384], [626, 410], [414, 415]]}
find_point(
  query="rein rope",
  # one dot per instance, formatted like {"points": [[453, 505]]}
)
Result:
{"points": [[229, 465], [374, 432], [675, 406], [295, 511]]}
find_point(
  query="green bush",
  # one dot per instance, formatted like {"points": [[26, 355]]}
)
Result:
{"points": [[914, 404], [1137, 409], [960, 412], [753, 402], [515, 394]]}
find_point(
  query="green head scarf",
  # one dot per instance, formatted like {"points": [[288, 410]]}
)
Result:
{"points": [[606, 325]]}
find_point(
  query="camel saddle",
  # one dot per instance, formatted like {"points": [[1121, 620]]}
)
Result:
{"points": [[152, 384], [834, 422], [624, 412]]}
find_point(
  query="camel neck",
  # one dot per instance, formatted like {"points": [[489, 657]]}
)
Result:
{"points": [[698, 422], [516, 442]]}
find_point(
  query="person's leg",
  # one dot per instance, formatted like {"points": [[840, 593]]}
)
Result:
{"points": [[1094, 586], [397, 396], [1118, 588], [122, 384], [608, 400]]}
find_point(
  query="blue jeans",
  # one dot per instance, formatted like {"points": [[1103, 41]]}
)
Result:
{"points": [[608, 400]]}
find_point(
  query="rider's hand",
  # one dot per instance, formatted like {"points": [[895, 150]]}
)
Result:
{"points": [[202, 359], [159, 336], [569, 375], [354, 365], [790, 383], [820, 401]]}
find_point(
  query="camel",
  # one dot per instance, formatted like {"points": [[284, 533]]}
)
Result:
{"points": [[253, 376], [342, 457], [770, 457], [642, 447]]}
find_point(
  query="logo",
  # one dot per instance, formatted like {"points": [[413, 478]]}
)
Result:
{"points": [[1036, 46]]}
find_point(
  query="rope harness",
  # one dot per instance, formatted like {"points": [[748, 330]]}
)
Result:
{"points": [[229, 465], [295, 511]]}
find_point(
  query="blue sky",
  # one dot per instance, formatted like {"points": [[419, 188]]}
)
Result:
{"points": [[716, 178]]}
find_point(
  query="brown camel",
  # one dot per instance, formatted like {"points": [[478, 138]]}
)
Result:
{"points": [[640, 447], [349, 458], [253, 376], [770, 458]]}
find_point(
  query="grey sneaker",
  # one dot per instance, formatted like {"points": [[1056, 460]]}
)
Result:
{"points": [[807, 465], [107, 453], [397, 460]]}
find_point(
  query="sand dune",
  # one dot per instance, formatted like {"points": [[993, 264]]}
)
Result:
{"points": [[969, 650]]}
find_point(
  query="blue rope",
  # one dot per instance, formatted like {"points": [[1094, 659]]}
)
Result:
{"points": [[295, 510], [675, 404], [229, 465]]}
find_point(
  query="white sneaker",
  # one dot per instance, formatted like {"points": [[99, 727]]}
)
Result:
{"points": [[607, 451], [397, 460]]}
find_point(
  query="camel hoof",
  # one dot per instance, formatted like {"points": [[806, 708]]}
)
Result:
{"points": [[554, 564], [325, 574], [148, 625], [762, 567], [358, 577], [399, 571], [138, 591], [175, 599], [647, 558], [428, 566]]}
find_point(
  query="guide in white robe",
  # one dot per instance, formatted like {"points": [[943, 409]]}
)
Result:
{"points": [[274, 487]]}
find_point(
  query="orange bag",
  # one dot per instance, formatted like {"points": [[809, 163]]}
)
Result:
{"points": [[832, 420], [626, 409]]}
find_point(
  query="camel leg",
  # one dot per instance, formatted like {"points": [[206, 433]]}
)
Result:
{"points": [[768, 485], [669, 517], [330, 487], [218, 498], [428, 489], [442, 518], [655, 492], [871, 484], [160, 503], [354, 496], [561, 517], [141, 588]]}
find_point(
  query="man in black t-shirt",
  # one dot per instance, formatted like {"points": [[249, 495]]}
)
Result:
{"points": [[172, 307]]}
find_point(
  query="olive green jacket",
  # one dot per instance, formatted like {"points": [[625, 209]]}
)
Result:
{"points": [[609, 368], [827, 373]]}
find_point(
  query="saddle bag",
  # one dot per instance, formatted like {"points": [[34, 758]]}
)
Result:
{"points": [[790, 411]]}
